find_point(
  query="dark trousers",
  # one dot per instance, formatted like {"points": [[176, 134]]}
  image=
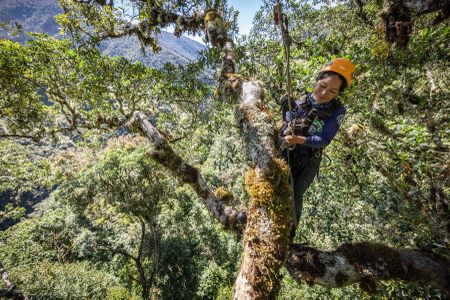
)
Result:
{"points": [[304, 164]]}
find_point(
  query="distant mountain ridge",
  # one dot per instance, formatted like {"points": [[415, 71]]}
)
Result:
{"points": [[38, 16]]}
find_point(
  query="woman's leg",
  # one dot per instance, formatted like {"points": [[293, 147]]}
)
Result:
{"points": [[303, 175]]}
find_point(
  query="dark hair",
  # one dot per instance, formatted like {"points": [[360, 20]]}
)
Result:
{"points": [[326, 74]]}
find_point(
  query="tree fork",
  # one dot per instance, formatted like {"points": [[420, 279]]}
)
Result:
{"points": [[266, 236]]}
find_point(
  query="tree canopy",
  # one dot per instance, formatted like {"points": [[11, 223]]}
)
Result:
{"points": [[171, 186]]}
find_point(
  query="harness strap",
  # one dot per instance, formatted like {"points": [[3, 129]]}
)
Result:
{"points": [[322, 113]]}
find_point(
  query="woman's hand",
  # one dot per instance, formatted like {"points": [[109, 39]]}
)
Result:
{"points": [[294, 139]]}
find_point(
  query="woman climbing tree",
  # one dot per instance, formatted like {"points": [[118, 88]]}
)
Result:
{"points": [[310, 124]]}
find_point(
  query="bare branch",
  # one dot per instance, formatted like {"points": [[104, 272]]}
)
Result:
{"points": [[145, 281], [157, 17], [14, 136], [141, 244], [155, 254], [429, 6], [431, 120]]}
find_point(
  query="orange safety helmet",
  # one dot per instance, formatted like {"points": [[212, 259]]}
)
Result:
{"points": [[341, 66]]}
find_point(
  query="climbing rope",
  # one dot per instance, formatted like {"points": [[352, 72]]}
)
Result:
{"points": [[287, 41]]}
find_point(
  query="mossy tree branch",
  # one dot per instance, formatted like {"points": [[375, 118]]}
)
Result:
{"points": [[106, 21], [365, 263], [230, 216], [397, 17]]}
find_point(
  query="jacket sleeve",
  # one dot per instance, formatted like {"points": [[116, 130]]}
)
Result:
{"points": [[329, 131]]}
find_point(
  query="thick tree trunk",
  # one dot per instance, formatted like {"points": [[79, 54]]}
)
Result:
{"points": [[266, 235], [364, 263]]}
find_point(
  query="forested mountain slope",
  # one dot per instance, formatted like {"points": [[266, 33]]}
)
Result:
{"points": [[39, 16]]}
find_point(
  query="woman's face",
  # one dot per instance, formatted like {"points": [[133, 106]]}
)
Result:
{"points": [[326, 89]]}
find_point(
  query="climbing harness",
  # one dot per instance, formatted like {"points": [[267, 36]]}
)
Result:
{"points": [[299, 126]]}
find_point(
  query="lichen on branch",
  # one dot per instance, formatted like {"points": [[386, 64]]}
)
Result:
{"points": [[228, 213], [365, 263]]}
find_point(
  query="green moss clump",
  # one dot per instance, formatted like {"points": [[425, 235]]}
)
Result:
{"points": [[233, 76], [223, 194], [270, 198], [211, 15]]}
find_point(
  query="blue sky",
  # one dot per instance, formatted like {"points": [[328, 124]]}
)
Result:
{"points": [[247, 10]]}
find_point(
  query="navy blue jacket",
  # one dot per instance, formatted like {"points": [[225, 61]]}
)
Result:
{"points": [[321, 131]]}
